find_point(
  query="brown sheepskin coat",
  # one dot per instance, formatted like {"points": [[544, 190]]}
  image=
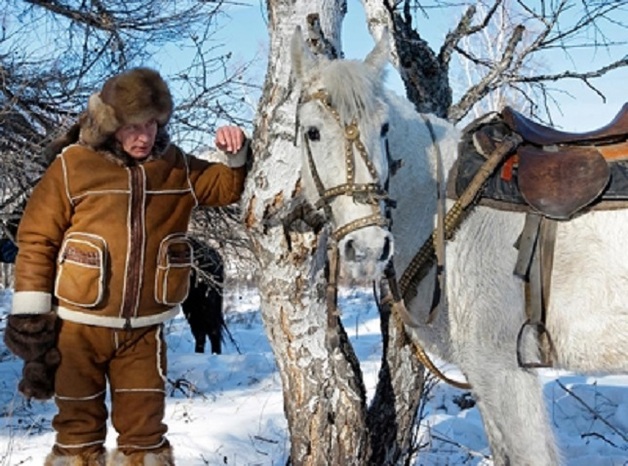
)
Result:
{"points": [[103, 242]]}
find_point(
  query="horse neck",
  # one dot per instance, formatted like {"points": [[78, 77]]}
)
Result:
{"points": [[414, 187]]}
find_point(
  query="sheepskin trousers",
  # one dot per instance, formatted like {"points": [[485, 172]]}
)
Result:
{"points": [[133, 362]]}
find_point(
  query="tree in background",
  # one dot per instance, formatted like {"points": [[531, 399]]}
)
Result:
{"points": [[324, 396], [54, 54], [520, 34]]}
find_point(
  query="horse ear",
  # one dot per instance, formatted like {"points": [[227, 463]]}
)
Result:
{"points": [[378, 57], [302, 58]]}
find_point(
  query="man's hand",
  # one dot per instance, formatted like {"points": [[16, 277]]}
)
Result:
{"points": [[229, 138]]}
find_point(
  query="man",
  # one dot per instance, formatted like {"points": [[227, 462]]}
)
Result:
{"points": [[103, 261]]}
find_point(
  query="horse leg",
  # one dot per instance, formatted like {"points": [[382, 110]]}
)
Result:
{"points": [[215, 325], [514, 412], [214, 320], [197, 328], [215, 340], [199, 347]]}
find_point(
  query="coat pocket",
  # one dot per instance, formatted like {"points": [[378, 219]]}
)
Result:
{"points": [[174, 264], [81, 270]]}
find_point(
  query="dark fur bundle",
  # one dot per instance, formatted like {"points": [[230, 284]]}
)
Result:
{"points": [[38, 377], [33, 339], [31, 336]]}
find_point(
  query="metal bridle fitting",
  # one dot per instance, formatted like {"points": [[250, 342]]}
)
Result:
{"points": [[363, 193]]}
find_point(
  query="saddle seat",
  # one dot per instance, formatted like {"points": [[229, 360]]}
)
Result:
{"points": [[558, 173], [559, 184], [538, 134]]}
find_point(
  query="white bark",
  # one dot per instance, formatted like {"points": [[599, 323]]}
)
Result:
{"points": [[324, 395], [424, 73], [323, 392], [378, 18]]}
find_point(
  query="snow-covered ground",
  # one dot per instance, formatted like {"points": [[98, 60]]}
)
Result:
{"points": [[228, 409]]}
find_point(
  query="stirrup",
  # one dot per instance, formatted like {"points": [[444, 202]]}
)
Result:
{"points": [[547, 363]]}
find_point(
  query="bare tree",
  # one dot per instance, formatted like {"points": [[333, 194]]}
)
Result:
{"points": [[325, 402], [322, 401], [54, 54], [490, 42], [536, 29]]}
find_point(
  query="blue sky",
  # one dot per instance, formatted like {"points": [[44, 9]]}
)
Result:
{"points": [[581, 108]]}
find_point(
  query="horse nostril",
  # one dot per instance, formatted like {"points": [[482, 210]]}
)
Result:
{"points": [[349, 250], [385, 250]]}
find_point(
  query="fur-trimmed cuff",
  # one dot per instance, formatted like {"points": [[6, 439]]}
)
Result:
{"points": [[237, 159], [31, 302]]}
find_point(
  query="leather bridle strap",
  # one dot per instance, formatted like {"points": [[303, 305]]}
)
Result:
{"points": [[364, 193]]}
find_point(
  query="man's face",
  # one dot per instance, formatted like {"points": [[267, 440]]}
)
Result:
{"points": [[138, 139]]}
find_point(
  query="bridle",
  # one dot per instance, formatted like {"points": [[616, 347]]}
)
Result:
{"points": [[368, 193], [364, 193]]}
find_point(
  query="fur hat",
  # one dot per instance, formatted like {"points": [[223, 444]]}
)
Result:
{"points": [[134, 96]]}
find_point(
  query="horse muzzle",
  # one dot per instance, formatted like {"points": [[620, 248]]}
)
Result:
{"points": [[365, 253]]}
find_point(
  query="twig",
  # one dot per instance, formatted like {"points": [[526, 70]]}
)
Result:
{"points": [[263, 439], [592, 411], [461, 446], [184, 386], [600, 436]]}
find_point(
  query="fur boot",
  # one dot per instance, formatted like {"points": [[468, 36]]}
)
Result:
{"points": [[142, 458], [94, 458]]}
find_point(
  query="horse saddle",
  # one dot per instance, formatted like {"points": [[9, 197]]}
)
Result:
{"points": [[553, 173]]}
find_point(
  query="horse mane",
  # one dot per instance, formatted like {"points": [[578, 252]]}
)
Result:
{"points": [[354, 87]]}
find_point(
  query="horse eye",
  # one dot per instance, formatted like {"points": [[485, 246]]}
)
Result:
{"points": [[313, 134], [385, 129]]}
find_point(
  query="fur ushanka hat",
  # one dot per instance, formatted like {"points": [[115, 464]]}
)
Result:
{"points": [[134, 96]]}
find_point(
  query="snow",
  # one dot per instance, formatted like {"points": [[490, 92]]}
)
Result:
{"points": [[228, 410]]}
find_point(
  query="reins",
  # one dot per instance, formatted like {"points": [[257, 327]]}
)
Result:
{"points": [[372, 193], [424, 258], [405, 288]]}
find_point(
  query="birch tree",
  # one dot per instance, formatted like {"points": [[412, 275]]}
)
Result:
{"points": [[324, 394]]}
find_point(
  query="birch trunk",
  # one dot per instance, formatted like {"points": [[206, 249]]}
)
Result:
{"points": [[324, 394]]}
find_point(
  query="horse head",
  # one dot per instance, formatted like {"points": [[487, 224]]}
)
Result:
{"points": [[342, 125]]}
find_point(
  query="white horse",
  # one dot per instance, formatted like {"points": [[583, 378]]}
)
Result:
{"points": [[477, 328]]}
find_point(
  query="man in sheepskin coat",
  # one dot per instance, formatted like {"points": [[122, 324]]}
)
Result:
{"points": [[104, 261]]}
